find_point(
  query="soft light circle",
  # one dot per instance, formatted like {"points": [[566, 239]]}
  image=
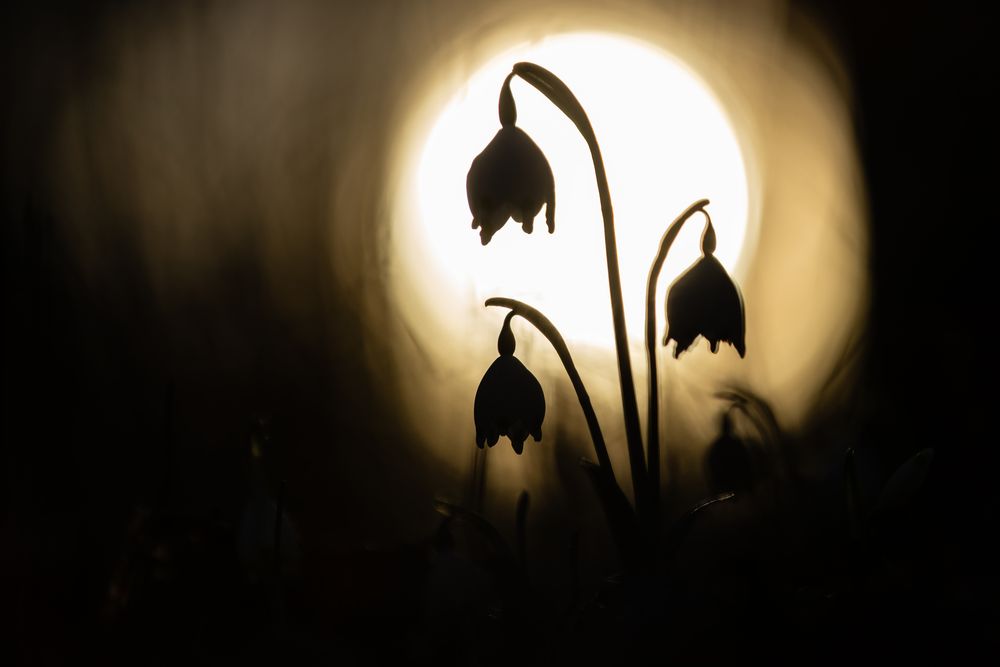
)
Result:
{"points": [[666, 142]]}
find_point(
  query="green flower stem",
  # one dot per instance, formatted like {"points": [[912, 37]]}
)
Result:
{"points": [[545, 326], [653, 410], [553, 88]]}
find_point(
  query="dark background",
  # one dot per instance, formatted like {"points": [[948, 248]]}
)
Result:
{"points": [[100, 391]]}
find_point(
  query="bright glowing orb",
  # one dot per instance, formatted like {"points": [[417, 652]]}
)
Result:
{"points": [[666, 143]]}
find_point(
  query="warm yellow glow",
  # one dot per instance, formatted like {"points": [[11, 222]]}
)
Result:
{"points": [[666, 142], [786, 199]]}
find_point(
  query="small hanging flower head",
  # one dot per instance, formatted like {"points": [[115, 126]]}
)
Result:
{"points": [[704, 301], [510, 179], [728, 462], [509, 400]]}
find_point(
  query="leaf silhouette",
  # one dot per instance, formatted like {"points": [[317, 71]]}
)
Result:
{"points": [[682, 526], [905, 482], [457, 514]]}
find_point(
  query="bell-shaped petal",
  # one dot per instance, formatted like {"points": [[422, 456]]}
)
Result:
{"points": [[704, 301], [510, 179], [509, 402]]}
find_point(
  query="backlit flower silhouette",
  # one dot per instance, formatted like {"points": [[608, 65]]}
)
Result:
{"points": [[509, 401], [510, 179], [704, 301]]}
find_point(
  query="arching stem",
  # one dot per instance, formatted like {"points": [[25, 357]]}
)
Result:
{"points": [[553, 88], [545, 326], [653, 411]]}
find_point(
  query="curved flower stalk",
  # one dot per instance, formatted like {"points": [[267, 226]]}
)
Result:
{"points": [[527, 179], [545, 326], [653, 403], [511, 179], [621, 517], [702, 301]]}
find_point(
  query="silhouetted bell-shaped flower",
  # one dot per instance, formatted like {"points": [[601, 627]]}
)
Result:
{"points": [[509, 400], [510, 179], [704, 301], [728, 463]]}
